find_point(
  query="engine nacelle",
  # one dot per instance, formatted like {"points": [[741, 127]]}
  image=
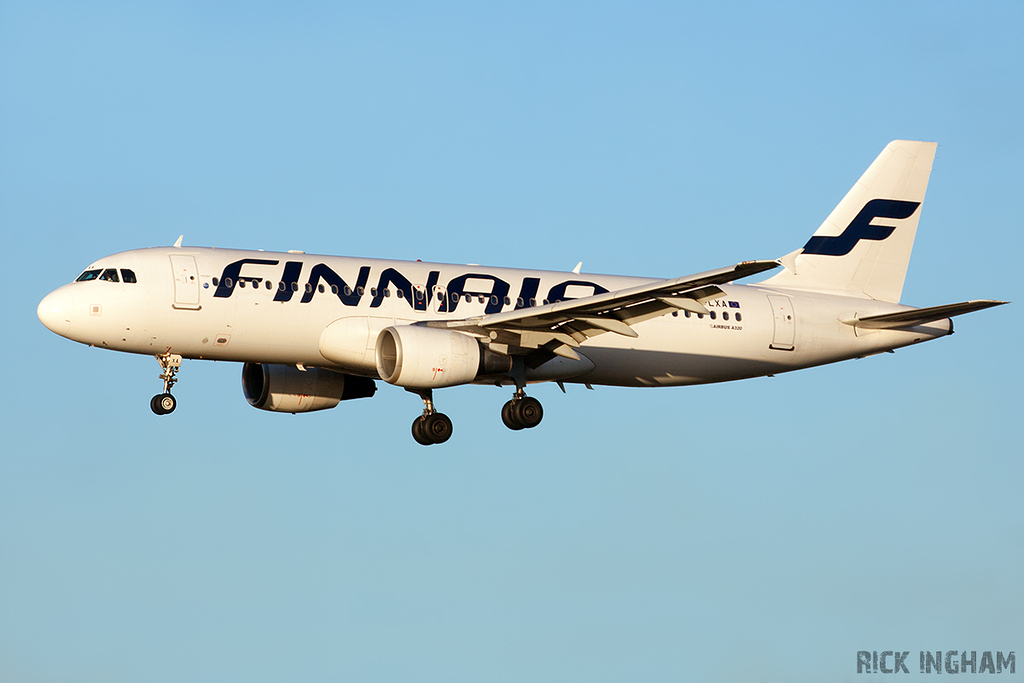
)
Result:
{"points": [[286, 389], [428, 357]]}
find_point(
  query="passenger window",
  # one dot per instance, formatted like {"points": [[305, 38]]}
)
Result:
{"points": [[725, 315], [214, 282], [88, 275], [321, 288], [269, 286], [110, 275], [738, 317], [128, 276], [712, 314]]}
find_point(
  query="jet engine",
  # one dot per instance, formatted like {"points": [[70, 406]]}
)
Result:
{"points": [[287, 389], [428, 357]]}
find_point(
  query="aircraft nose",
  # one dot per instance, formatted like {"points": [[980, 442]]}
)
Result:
{"points": [[54, 311]]}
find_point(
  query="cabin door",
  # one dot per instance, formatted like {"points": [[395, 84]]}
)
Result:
{"points": [[785, 323]]}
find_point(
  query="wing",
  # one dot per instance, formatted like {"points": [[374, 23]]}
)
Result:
{"points": [[560, 327]]}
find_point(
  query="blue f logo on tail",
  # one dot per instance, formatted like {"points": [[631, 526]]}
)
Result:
{"points": [[860, 227]]}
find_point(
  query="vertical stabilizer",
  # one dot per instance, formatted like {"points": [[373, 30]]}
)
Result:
{"points": [[863, 247]]}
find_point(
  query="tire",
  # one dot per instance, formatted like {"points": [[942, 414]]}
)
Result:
{"points": [[419, 433], [167, 403], [528, 412], [438, 427], [154, 404], [509, 418]]}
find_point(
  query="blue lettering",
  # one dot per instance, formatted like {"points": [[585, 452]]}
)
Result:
{"points": [[387, 277], [349, 296], [229, 278], [495, 296], [289, 281], [557, 293]]}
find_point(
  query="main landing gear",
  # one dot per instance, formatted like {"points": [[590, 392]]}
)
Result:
{"points": [[431, 427], [164, 403], [522, 412]]}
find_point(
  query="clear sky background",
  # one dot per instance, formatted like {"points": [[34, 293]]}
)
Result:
{"points": [[759, 530]]}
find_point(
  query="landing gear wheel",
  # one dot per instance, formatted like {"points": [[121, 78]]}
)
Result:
{"points": [[437, 427], [162, 404], [431, 427], [527, 411], [419, 433], [508, 416]]}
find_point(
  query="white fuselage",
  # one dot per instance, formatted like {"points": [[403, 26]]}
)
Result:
{"points": [[269, 307]]}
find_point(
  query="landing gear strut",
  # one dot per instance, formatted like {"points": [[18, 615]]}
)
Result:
{"points": [[431, 427], [164, 403], [522, 412]]}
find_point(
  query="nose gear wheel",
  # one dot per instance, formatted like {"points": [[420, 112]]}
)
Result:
{"points": [[165, 403]]}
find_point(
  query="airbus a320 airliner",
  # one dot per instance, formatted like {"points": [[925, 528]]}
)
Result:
{"points": [[316, 330]]}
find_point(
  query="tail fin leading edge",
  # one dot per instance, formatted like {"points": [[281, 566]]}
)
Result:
{"points": [[863, 247]]}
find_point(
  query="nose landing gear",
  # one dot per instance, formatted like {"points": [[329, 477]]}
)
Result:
{"points": [[522, 412], [431, 427], [164, 403]]}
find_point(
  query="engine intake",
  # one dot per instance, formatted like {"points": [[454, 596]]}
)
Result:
{"points": [[427, 357], [286, 389]]}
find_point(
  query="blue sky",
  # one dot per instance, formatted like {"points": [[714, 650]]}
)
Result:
{"points": [[766, 529]]}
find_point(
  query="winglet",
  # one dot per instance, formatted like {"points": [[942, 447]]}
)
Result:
{"points": [[577, 268], [177, 242]]}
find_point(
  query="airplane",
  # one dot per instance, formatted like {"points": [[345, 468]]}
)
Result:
{"points": [[312, 331]]}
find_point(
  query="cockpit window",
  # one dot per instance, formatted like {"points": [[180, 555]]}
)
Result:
{"points": [[110, 275], [128, 276], [88, 275]]}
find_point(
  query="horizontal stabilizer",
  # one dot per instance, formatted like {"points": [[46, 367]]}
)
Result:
{"points": [[920, 316]]}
